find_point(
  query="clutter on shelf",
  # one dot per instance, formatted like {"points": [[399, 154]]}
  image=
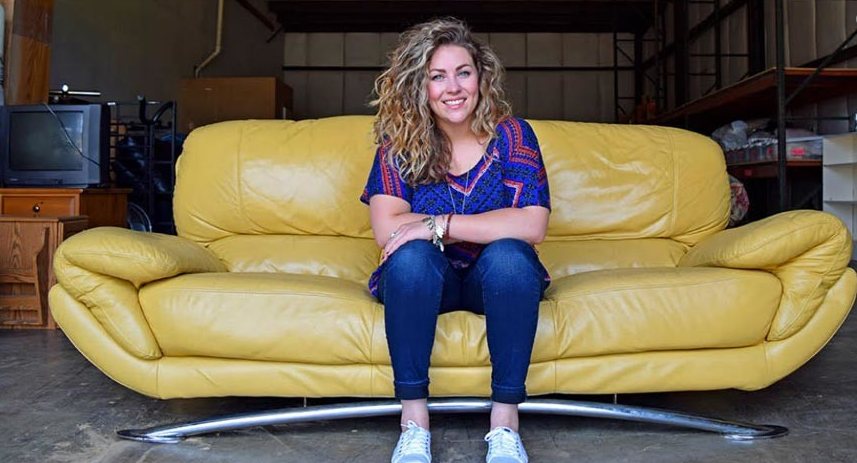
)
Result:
{"points": [[746, 142]]}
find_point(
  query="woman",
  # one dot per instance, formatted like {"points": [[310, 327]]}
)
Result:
{"points": [[457, 196]]}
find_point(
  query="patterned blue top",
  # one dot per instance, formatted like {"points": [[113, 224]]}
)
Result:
{"points": [[511, 174]]}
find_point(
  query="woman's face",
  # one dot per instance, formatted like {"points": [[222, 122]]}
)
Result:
{"points": [[453, 86]]}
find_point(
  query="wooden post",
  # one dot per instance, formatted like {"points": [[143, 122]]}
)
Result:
{"points": [[28, 50]]}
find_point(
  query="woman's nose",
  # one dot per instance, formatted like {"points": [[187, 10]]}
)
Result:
{"points": [[454, 86]]}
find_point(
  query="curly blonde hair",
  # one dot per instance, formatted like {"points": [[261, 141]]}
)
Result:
{"points": [[405, 122]]}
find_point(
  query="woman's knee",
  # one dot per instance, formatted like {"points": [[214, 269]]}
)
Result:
{"points": [[513, 258], [415, 261]]}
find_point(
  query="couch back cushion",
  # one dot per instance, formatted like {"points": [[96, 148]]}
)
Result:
{"points": [[617, 182], [274, 178], [608, 182], [568, 257]]}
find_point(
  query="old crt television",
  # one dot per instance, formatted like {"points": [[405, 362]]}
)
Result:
{"points": [[54, 145]]}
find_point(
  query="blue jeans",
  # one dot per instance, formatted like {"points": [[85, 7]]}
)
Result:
{"points": [[505, 284]]}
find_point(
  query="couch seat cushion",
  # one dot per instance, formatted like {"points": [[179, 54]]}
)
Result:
{"points": [[263, 316], [331, 321], [639, 310]]}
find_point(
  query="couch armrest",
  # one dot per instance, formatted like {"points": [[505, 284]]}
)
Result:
{"points": [[104, 267], [807, 250], [136, 256]]}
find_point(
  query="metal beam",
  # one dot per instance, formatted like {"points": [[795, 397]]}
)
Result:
{"points": [[682, 52], [756, 37], [844, 55], [782, 185], [639, 75], [507, 68], [824, 63], [257, 14], [696, 31], [495, 16]]}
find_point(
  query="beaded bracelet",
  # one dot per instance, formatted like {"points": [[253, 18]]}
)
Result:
{"points": [[448, 220]]}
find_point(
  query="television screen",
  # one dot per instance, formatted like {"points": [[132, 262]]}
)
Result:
{"points": [[44, 141], [54, 146]]}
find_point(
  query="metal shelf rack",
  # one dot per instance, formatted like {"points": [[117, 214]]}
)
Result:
{"points": [[774, 90], [143, 156]]}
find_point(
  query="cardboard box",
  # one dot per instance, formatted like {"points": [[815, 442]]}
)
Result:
{"points": [[207, 100]]}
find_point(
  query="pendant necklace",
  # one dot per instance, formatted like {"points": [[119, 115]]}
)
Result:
{"points": [[463, 201]]}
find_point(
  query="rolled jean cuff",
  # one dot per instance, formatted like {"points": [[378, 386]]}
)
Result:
{"points": [[411, 391], [508, 395]]}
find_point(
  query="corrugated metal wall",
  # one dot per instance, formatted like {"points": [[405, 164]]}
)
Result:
{"points": [[814, 28], [541, 94]]}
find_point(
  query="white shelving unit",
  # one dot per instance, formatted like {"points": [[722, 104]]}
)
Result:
{"points": [[839, 180]]}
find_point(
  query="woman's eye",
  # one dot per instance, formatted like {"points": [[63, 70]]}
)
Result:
{"points": [[437, 77], [464, 73]]}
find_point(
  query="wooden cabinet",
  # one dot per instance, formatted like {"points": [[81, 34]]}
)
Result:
{"points": [[103, 206], [33, 222], [206, 100], [27, 246]]}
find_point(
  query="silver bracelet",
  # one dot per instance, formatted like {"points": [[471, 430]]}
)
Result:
{"points": [[436, 229]]}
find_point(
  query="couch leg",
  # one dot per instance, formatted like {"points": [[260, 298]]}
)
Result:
{"points": [[176, 433]]}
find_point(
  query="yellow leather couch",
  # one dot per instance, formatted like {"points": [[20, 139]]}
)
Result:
{"points": [[263, 293]]}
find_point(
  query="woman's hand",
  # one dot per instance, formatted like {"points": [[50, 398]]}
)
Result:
{"points": [[406, 232]]}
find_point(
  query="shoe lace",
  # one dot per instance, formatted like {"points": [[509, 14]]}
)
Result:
{"points": [[414, 440], [502, 442]]}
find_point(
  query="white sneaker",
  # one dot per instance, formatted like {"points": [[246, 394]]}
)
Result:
{"points": [[414, 445], [505, 446]]}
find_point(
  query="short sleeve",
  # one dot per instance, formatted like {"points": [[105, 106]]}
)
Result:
{"points": [[384, 179], [524, 177]]}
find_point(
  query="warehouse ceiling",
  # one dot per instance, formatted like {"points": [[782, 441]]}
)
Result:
{"points": [[632, 16]]}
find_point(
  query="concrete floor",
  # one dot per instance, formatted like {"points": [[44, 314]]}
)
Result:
{"points": [[56, 407]]}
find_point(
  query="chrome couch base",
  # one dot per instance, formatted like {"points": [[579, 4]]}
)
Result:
{"points": [[176, 433]]}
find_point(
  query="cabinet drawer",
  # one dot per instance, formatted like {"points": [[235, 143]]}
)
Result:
{"points": [[38, 205]]}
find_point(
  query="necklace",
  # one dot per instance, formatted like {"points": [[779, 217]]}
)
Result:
{"points": [[463, 201]]}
